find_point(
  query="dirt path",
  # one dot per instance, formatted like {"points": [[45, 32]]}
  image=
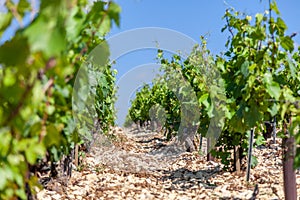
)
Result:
{"points": [[142, 165]]}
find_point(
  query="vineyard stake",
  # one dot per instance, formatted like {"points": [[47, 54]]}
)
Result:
{"points": [[289, 175], [208, 147], [200, 142], [76, 155], [274, 130], [250, 153]]}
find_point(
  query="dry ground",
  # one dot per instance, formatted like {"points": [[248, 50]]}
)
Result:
{"points": [[142, 165]]}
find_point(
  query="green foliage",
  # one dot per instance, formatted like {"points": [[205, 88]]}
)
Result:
{"points": [[254, 162], [148, 97], [139, 111], [38, 69], [260, 77], [105, 96], [256, 79], [183, 87]]}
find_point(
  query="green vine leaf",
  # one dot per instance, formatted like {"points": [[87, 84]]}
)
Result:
{"points": [[274, 7], [273, 90], [14, 52], [5, 21], [287, 43]]}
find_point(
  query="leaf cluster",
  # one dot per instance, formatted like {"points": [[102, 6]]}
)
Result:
{"points": [[38, 68]]}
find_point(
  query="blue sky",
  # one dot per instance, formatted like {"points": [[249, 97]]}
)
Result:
{"points": [[198, 17], [192, 18]]}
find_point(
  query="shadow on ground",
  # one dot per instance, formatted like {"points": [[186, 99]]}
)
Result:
{"points": [[184, 179]]}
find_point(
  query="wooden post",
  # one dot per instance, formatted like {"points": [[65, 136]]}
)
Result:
{"points": [[250, 154], [76, 155], [274, 130], [208, 147], [237, 163], [200, 142], [289, 175]]}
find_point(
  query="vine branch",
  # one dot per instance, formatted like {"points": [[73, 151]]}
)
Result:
{"points": [[272, 37], [12, 8], [229, 27]]}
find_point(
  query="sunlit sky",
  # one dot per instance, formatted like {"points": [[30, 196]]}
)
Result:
{"points": [[199, 17], [192, 18]]}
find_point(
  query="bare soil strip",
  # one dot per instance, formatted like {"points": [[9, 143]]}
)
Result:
{"points": [[143, 165]]}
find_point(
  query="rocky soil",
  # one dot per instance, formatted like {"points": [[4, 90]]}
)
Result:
{"points": [[143, 165]]}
